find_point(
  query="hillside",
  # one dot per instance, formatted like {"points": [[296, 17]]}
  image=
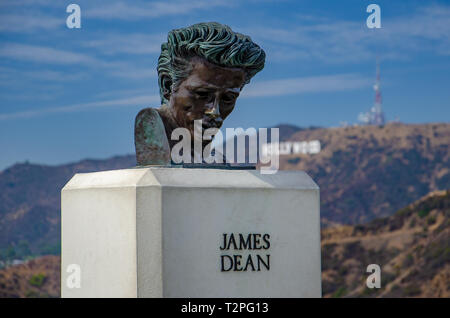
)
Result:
{"points": [[30, 204], [412, 248], [367, 172], [36, 278], [364, 172]]}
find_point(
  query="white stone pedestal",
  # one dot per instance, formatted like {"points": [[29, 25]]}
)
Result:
{"points": [[159, 232]]}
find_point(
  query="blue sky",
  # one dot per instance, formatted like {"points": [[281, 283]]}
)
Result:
{"points": [[68, 94]]}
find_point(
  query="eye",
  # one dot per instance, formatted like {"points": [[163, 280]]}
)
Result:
{"points": [[202, 94], [229, 98]]}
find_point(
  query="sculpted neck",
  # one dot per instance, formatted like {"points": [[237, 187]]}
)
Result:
{"points": [[168, 121], [170, 125]]}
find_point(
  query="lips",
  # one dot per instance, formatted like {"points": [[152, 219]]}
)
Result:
{"points": [[207, 126], [211, 124], [199, 131]]}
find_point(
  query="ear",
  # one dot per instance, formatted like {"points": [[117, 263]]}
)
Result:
{"points": [[166, 83]]}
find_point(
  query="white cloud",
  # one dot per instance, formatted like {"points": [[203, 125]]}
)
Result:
{"points": [[31, 15], [135, 74], [334, 41], [326, 83], [7, 74], [28, 16], [127, 43], [301, 85], [430, 24], [12, 3], [43, 54], [132, 101], [27, 23], [143, 9]]}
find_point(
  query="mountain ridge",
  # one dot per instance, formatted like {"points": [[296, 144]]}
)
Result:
{"points": [[411, 247], [364, 173]]}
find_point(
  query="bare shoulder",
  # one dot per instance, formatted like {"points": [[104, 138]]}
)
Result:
{"points": [[146, 114], [150, 139]]}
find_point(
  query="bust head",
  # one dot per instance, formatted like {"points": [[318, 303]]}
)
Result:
{"points": [[201, 71]]}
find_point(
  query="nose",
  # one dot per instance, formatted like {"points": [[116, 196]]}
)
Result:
{"points": [[213, 109]]}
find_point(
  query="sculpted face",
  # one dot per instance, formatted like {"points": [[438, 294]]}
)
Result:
{"points": [[209, 93]]}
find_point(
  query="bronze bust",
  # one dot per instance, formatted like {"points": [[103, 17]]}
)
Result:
{"points": [[201, 71]]}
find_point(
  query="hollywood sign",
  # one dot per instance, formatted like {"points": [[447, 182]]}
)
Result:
{"points": [[288, 147]]}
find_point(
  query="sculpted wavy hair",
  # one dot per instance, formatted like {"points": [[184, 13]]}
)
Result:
{"points": [[213, 41]]}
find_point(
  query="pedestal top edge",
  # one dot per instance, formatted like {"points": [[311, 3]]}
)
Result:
{"points": [[191, 178]]}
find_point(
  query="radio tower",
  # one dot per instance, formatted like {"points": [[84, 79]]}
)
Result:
{"points": [[375, 116], [377, 112]]}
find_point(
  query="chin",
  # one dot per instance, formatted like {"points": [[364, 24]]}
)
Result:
{"points": [[207, 125]]}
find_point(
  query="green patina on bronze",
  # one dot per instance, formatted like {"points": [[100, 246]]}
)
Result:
{"points": [[215, 42], [195, 58], [152, 142]]}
